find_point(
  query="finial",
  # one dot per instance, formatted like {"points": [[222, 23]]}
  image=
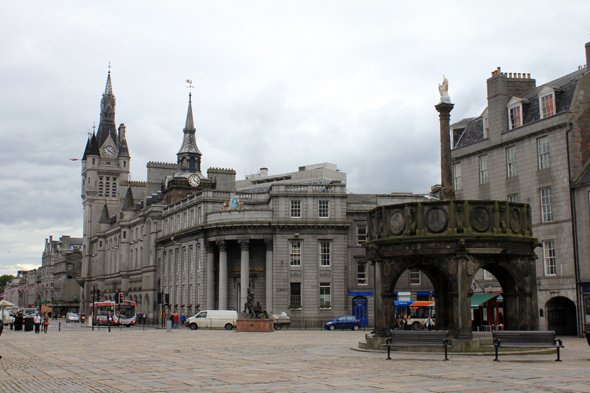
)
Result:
{"points": [[94, 127], [109, 67], [190, 86]]}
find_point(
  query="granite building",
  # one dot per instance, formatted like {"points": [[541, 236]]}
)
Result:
{"points": [[530, 145], [202, 238]]}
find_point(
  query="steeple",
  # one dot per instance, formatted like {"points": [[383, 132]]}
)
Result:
{"points": [[107, 114], [189, 156]]}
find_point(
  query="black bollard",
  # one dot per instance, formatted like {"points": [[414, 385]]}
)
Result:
{"points": [[59, 327]]}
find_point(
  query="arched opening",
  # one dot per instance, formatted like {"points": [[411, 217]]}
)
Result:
{"points": [[561, 316], [414, 299], [435, 286], [487, 302]]}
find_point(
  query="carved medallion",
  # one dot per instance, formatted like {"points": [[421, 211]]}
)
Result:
{"points": [[515, 220], [436, 220], [396, 222], [480, 219]]}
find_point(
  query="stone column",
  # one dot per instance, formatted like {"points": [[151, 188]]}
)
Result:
{"points": [[210, 275], [222, 274], [462, 302], [269, 282], [380, 327], [444, 110], [244, 272]]}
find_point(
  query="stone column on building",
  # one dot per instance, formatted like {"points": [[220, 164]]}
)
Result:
{"points": [[244, 272], [444, 110], [222, 244], [269, 282], [210, 246]]}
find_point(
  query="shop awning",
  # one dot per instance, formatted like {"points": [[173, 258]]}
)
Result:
{"points": [[422, 303], [479, 298]]}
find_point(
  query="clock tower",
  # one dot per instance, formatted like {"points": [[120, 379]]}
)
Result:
{"points": [[105, 174]]}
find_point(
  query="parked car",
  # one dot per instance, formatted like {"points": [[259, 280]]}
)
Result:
{"points": [[72, 317], [211, 319], [344, 322]]}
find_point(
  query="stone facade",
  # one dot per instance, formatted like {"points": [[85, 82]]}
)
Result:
{"points": [[54, 284], [295, 239], [528, 146]]}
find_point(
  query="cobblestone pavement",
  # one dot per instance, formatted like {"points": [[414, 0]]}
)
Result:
{"points": [[76, 359]]}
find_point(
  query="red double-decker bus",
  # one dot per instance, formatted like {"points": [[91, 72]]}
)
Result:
{"points": [[123, 313]]}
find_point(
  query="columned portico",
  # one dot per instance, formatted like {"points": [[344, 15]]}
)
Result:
{"points": [[210, 275], [244, 272], [222, 274]]}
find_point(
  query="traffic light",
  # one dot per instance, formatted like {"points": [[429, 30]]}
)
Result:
{"points": [[166, 298], [120, 297], [159, 297]]}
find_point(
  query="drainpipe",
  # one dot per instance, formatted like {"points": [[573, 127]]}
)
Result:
{"points": [[575, 237]]}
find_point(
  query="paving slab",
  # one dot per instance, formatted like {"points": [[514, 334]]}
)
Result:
{"points": [[78, 359]]}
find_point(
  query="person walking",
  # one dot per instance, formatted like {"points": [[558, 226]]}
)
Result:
{"points": [[182, 319], [37, 321], [409, 323], [1, 328], [45, 323], [428, 323], [176, 321]]}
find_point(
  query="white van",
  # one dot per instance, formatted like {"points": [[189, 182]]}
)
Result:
{"points": [[213, 319]]}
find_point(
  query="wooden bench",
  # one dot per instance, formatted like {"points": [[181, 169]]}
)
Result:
{"points": [[413, 338], [526, 339]]}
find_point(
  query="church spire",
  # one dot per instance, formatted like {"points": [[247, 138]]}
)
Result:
{"points": [[107, 125], [189, 156]]}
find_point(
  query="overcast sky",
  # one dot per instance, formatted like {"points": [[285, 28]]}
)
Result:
{"points": [[278, 84]]}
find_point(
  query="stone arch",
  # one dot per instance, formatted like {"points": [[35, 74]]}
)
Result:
{"points": [[561, 316], [391, 271]]}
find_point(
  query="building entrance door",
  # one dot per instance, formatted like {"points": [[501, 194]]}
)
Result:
{"points": [[359, 307]]}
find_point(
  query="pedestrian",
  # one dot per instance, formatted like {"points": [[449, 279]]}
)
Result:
{"points": [[428, 323], [409, 323], [144, 318], [182, 319], [45, 323], [176, 321], [404, 322], [172, 319], [1, 328], [37, 321]]}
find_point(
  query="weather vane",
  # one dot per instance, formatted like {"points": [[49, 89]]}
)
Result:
{"points": [[190, 85]]}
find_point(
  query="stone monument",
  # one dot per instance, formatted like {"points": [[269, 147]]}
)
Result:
{"points": [[254, 318], [449, 240]]}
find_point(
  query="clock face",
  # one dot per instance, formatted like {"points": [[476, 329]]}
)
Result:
{"points": [[194, 180], [109, 150]]}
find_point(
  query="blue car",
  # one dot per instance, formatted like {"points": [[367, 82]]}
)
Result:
{"points": [[344, 322]]}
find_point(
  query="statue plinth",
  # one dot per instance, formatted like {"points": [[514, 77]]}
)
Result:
{"points": [[255, 325]]}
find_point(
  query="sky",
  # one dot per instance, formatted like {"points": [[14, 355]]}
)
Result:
{"points": [[277, 84]]}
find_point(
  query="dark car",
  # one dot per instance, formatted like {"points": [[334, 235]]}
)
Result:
{"points": [[344, 322]]}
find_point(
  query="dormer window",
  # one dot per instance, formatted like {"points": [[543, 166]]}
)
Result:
{"points": [[546, 102], [514, 113], [486, 124]]}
